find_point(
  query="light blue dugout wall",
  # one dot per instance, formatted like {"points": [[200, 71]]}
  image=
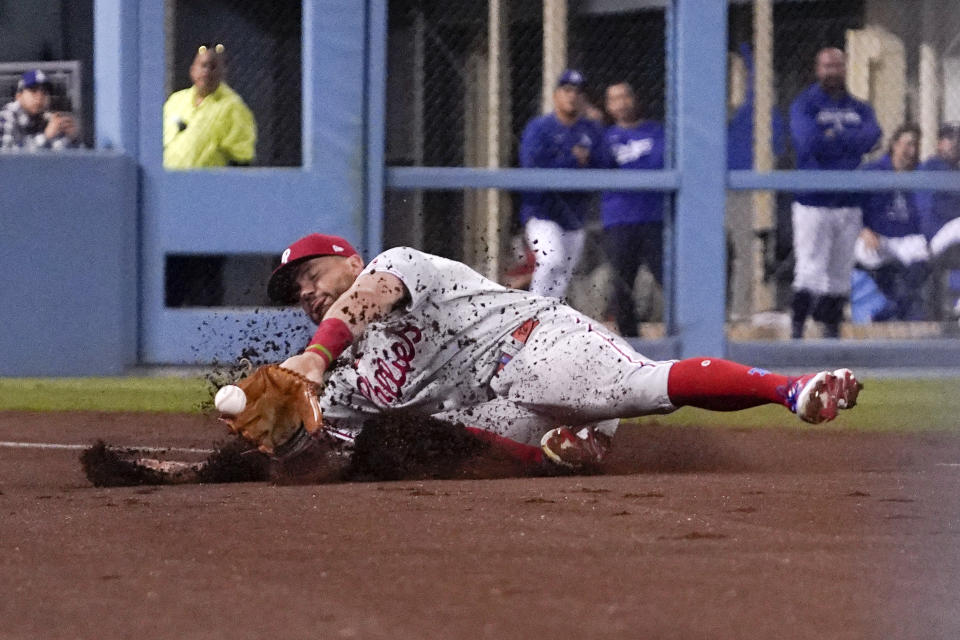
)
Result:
{"points": [[68, 227], [258, 210]]}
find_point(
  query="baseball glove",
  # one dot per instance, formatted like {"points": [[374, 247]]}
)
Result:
{"points": [[282, 410]]}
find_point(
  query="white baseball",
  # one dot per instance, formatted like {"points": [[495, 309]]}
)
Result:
{"points": [[230, 399]]}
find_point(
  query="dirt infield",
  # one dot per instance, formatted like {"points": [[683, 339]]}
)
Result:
{"points": [[692, 533]]}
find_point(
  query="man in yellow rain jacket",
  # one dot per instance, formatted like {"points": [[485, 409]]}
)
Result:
{"points": [[207, 125]]}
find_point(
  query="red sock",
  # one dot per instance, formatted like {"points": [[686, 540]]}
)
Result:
{"points": [[722, 385]]}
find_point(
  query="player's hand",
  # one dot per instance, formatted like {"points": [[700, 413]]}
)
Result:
{"points": [[68, 126], [582, 154], [274, 408], [871, 242], [54, 125], [309, 364]]}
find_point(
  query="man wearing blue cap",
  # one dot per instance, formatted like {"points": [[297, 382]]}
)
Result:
{"points": [[26, 124], [553, 221]]}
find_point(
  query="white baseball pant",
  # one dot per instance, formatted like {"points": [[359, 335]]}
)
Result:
{"points": [[557, 252], [947, 236], [906, 250], [823, 246], [570, 372]]}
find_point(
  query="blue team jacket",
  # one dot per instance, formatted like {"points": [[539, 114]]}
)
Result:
{"points": [[547, 143], [937, 208], [893, 214], [639, 147], [831, 133]]}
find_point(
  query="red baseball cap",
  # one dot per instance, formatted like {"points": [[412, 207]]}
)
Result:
{"points": [[281, 287]]}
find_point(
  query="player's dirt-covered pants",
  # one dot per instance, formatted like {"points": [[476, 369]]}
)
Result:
{"points": [[570, 372]]}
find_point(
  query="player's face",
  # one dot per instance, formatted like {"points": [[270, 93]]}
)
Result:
{"points": [[949, 148], [831, 68], [566, 100], [206, 71], [621, 104], [34, 100], [321, 281], [904, 151]]}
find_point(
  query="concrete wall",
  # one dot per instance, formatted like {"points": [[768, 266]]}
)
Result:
{"points": [[68, 296]]}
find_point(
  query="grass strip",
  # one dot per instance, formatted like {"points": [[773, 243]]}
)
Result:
{"points": [[886, 404], [167, 394]]}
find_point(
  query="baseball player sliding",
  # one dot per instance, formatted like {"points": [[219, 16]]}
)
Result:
{"points": [[416, 332]]}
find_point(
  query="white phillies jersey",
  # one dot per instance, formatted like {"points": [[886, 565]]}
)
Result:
{"points": [[438, 352]]}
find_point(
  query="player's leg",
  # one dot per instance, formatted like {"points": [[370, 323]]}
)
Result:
{"points": [[556, 252], [913, 254], [811, 250], [653, 249], [517, 431], [948, 236], [576, 372], [842, 228], [572, 241], [621, 243], [889, 280], [723, 385]]}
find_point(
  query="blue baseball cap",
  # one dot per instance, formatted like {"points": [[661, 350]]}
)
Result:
{"points": [[571, 77], [33, 79]]}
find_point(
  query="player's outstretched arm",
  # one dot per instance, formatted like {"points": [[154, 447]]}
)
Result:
{"points": [[370, 298]]}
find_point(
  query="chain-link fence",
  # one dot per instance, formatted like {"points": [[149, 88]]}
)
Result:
{"points": [[439, 57], [263, 55], [900, 57], [466, 78], [262, 51]]}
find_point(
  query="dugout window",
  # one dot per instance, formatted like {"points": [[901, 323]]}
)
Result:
{"points": [[263, 54], [218, 280]]}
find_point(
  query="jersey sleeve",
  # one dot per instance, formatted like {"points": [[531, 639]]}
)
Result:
{"points": [[598, 159], [418, 272], [803, 128], [863, 138]]}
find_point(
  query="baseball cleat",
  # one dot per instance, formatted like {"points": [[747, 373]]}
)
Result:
{"points": [[849, 388], [815, 397], [585, 448]]}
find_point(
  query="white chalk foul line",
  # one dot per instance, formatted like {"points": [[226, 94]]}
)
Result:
{"points": [[948, 464], [79, 447]]}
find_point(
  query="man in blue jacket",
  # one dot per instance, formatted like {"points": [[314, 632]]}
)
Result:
{"points": [[553, 221], [940, 210], [831, 130], [632, 220], [891, 246]]}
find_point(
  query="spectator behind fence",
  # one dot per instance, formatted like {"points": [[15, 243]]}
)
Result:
{"points": [[940, 210], [891, 246], [207, 125], [632, 220], [27, 124], [553, 221], [831, 130]]}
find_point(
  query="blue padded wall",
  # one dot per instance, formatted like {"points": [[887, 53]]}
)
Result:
{"points": [[68, 295]]}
